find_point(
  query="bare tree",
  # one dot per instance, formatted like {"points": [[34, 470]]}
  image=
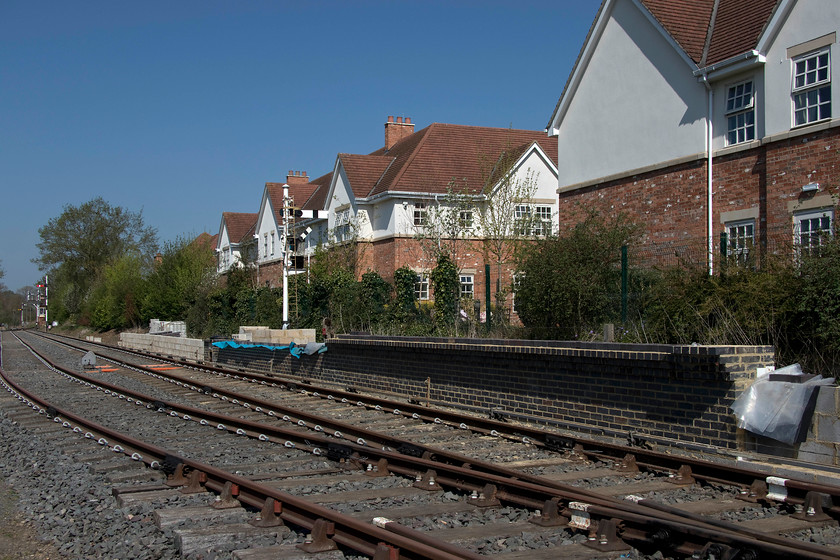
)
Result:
{"points": [[507, 218], [449, 225]]}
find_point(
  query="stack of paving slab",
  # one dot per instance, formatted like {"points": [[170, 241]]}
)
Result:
{"points": [[178, 346], [280, 337]]}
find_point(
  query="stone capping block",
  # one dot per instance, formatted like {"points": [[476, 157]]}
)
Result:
{"points": [[740, 361]]}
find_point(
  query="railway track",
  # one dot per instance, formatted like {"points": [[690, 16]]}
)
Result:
{"points": [[460, 485]]}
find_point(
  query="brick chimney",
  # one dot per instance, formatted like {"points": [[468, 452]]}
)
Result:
{"points": [[396, 131], [296, 178]]}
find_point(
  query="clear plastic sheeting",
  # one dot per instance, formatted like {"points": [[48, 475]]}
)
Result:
{"points": [[778, 409]]}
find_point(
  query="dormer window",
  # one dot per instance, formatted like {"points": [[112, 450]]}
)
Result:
{"points": [[740, 113], [811, 89]]}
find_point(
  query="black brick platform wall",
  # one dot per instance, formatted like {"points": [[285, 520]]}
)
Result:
{"points": [[659, 391]]}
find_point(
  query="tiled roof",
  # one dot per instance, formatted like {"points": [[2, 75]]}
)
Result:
{"points": [[735, 25], [318, 198], [737, 29], [205, 241], [364, 172], [428, 160], [239, 225]]}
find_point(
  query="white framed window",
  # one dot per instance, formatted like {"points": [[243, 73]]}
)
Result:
{"points": [[740, 237], [265, 245], [812, 229], [532, 220], [467, 286], [740, 113], [272, 243], [465, 219], [420, 214], [811, 89], [342, 225], [421, 286], [522, 218], [542, 220]]}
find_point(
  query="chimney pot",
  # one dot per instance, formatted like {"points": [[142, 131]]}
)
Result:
{"points": [[408, 120], [390, 119]]}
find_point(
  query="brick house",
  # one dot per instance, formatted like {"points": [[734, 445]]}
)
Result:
{"points": [[385, 200], [705, 117]]}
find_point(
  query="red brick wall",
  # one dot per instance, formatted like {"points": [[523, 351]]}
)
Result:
{"points": [[671, 202]]}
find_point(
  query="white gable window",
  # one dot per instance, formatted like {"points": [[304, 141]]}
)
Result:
{"points": [[542, 222], [265, 245], [465, 219], [342, 225], [522, 218], [812, 229], [740, 113], [420, 214], [811, 88], [740, 237], [272, 243], [532, 220]]}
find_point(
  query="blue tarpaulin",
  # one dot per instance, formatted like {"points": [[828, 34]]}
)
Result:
{"points": [[295, 350]]}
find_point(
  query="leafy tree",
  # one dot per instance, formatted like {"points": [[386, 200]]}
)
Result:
{"points": [[374, 295], [569, 283], [182, 270], [10, 303], [116, 296], [76, 246], [815, 331], [445, 280]]}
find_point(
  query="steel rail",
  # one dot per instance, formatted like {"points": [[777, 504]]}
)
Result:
{"points": [[751, 482], [348, 531], [509, 487]]}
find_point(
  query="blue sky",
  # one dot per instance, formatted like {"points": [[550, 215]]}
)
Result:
{"points": [[183, 110]]}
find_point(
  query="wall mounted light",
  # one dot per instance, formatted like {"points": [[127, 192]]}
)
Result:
{"points": [[810, 187]]}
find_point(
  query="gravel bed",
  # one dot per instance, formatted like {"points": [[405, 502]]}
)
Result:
{"points": [[88, 514]]}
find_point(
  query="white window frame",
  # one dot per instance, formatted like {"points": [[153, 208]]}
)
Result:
{"points": [[811, 87], [820, 225], [521, 213], [265, 245], [740, 113], [342, 225], [536, 218], [542, 220], [272, 243], [740, 239], [421, 286], [420, 216], [466, 219], [467, 285]]}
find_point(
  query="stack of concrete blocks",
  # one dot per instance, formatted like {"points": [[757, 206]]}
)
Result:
{"points": [[278, 337], [157, 327], [823, 443], [176, 346]]}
